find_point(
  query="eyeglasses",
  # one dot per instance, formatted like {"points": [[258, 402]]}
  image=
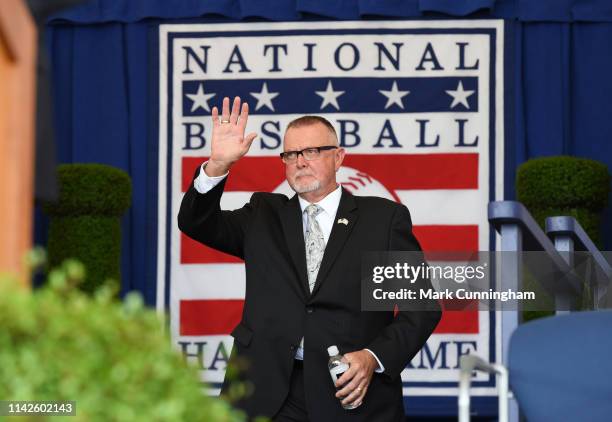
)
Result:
{"points": [[309, 154]]}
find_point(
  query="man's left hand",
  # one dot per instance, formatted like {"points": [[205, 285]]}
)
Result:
{"points": [[356, 379]]}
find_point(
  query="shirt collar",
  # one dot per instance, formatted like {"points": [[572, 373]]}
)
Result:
{"points": [[329, 204]]}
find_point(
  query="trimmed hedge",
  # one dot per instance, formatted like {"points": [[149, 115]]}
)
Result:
{"points": [[113, 359], [569, 186], [85, 221], [563, 185], [91, 189]]}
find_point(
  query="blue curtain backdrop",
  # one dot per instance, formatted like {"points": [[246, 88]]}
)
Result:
{"points": [[560, 93]]}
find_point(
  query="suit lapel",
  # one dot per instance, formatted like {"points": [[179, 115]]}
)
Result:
{"points": [[345, 220], [293, 228]]}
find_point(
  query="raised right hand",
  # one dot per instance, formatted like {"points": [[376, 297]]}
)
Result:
{"points": [[228, 142]]}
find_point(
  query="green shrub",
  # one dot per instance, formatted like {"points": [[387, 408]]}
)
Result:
{"points": [[563, 185], [85, 221], [112, 358], [569, 186]]}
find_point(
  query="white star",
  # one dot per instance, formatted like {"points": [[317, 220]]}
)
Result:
{"points": [[329, 96], [264, 97], [200, 99], [460, 96], [394, 96]]}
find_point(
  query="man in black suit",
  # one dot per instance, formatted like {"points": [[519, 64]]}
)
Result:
{"points": [[302, 257]]}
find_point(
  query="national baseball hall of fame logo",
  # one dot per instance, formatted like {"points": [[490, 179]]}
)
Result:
{"points": [[418, 106]]}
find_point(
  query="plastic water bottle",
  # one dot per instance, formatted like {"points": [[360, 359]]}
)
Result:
{"points": [[337, 368]]}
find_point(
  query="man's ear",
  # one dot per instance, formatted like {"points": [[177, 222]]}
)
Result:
{"points": [[339, 157]]}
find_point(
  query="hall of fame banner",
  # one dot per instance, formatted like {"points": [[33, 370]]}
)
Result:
{"points": [[418, 106]]}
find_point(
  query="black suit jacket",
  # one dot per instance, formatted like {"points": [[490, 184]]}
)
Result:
{"points": [[279, 309]]}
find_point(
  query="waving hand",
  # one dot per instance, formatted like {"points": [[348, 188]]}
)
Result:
{"points": [[228, 142]]}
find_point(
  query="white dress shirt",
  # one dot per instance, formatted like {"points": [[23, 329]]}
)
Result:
{"points": [[203, 183]]}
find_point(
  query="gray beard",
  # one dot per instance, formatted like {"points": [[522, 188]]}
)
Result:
{"points": [[304, 188]]}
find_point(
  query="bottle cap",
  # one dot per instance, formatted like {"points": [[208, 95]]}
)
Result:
{"points": [[333, 350]]}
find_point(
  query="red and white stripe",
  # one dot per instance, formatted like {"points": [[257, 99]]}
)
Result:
{"points": [[441, 191]]}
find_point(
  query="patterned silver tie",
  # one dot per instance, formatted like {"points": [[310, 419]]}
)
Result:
{"points": [[315, 244]]}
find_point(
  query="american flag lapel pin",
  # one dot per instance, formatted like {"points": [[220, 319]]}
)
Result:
{"points": [[343, 221]]}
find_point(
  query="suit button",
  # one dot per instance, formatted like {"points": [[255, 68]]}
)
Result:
{"points": [[309, 309]]}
